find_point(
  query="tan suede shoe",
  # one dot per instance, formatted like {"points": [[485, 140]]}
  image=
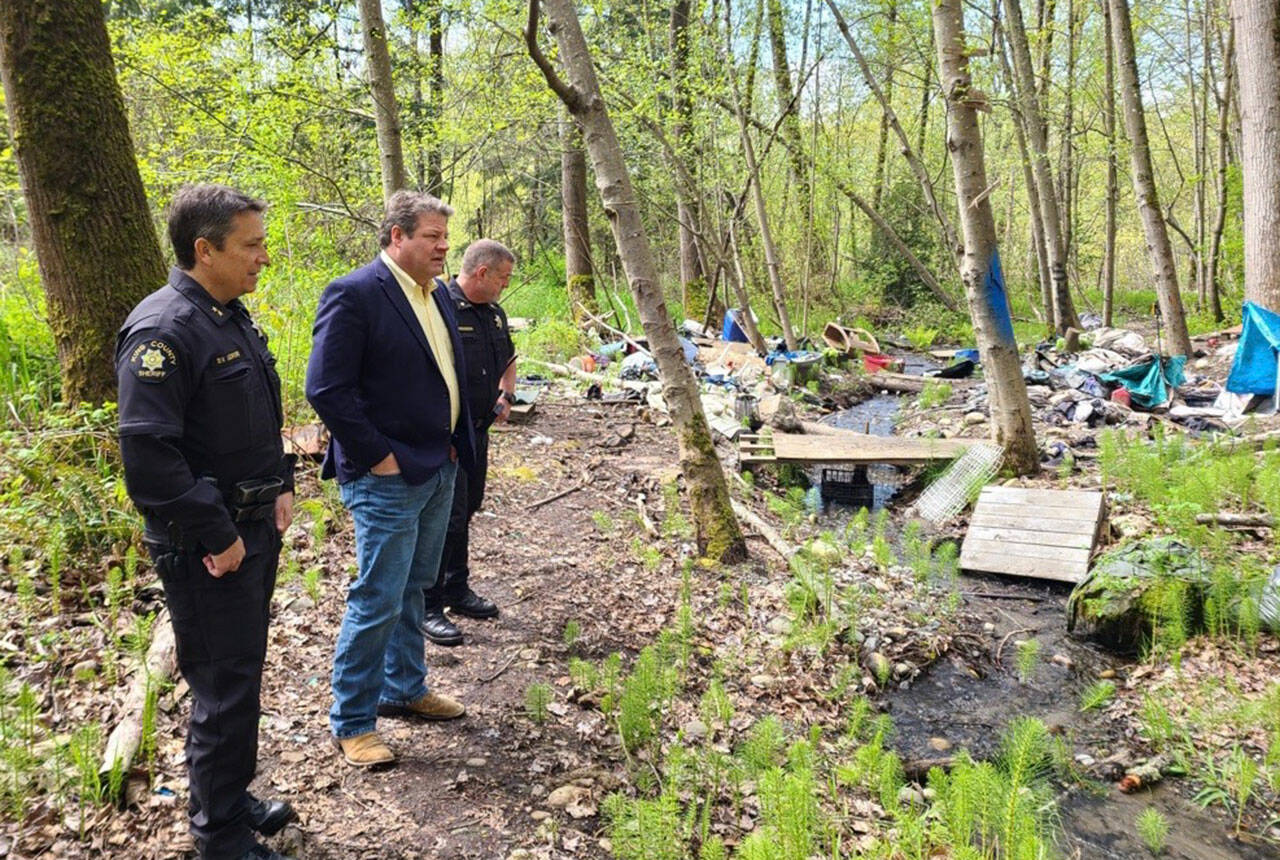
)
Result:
{"points": [[366, 750], [432, 706]]}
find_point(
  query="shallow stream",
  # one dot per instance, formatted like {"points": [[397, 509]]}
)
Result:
{"points": [[965, 701]]}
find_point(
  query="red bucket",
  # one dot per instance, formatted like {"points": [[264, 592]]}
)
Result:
{"points": [[874, 362]]}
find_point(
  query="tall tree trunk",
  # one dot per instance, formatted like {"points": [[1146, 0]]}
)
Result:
{"points": [[926, 92], [789, 131], [579, 275], [772, 263], [913, 159], [980, 269], [790, 128], [1257, 24], [435, 99], [1113, 185], [716, 528], [1200, 133], [1038, 248], [693, 281], [882, 141], [1224, 152], [1144, 184], [1066, 169], [90, 222], [382, 87], [1064, 314]]}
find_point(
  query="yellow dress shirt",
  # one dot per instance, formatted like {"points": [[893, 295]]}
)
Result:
{"points": [[435, 329]]}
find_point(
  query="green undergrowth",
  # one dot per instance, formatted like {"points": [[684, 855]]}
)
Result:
{"points": [[817, 792], [1176, 478], [726, 784], [62, 495], [1224, 737]]}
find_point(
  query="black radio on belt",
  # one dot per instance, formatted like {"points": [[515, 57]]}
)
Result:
{"points": [[255, 499]]}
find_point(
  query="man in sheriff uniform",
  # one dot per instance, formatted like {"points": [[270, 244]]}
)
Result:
{"points": [[200, 420], [489, 387]]}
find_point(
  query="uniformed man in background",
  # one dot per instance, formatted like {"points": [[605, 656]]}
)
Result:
{"points": [[489, 387], [200, 421]]}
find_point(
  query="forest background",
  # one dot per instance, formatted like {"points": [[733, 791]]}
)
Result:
{"points": [[273, 98]]}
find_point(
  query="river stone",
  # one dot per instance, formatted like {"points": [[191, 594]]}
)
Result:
{"points": [[1129, 586], [879, 665], [824, 551], [567, 794], [695, 730], [779, 625], [973, 418], [910, 796], [939, 744]]}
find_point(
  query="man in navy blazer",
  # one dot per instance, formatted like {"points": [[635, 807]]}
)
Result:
{"points": [[383, 377]]}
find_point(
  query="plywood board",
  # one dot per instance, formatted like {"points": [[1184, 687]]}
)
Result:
{"points": [[1044, 534], [850, 447]]}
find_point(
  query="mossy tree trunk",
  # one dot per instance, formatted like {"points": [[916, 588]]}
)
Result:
{"points": [[716, 528], [577, 229], [90, 221]]}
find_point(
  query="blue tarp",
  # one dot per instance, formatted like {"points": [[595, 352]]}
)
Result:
{"points": [[1254, 368], [1150, 382]]}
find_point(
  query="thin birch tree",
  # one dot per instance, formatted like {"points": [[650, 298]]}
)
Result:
{"points": [[980, 265], [1159, 248], [382, 88], [716, 528]]}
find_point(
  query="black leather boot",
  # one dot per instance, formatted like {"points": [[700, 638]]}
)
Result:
{"points": [[439, 629]]}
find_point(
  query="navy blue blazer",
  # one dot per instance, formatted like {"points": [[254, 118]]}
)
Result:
{"points": [[375, 384]]}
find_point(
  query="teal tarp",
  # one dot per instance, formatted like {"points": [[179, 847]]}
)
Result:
{"points": [[1254, 369], [1150, 383]]}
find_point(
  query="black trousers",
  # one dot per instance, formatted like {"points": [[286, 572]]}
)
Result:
{"points": [[220, 626], [468, 495]]}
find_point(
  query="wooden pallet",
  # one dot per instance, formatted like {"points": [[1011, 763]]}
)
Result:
{"points": [[1043, 534], [846, 446]]}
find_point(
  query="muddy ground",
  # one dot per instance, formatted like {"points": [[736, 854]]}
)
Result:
{"points": [[560, 541]]}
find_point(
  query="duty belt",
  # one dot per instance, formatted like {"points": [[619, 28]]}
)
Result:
{"points": [[254, 499]]}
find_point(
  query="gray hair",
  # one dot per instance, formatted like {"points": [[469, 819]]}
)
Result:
{"points": [[485, 252], [404, 209], [205, 211]]}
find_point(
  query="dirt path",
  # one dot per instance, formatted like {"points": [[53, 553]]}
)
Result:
{"points": [[477, 787]]}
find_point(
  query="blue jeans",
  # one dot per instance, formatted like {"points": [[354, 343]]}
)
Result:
{"points": [[399, 537]]}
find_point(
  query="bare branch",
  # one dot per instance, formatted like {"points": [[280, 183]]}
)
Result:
{"points": [[571, 97]]}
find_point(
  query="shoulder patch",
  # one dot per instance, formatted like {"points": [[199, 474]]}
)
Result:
{"points": [[153, 360]]}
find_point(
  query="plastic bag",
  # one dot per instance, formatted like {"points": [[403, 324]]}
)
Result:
{"points": [[1269, 606]]}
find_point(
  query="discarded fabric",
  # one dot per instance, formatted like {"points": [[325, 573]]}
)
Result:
{"points": [[1150, 382], [1254, 369]]}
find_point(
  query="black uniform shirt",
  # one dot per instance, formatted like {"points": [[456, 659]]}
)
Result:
{"points": [[487, 350], [199, 399]]}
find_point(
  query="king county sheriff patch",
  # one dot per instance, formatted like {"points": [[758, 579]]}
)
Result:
{"points": [[153, 361]]}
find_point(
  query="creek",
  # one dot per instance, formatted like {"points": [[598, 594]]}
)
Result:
{"points": [[965, 699]]}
